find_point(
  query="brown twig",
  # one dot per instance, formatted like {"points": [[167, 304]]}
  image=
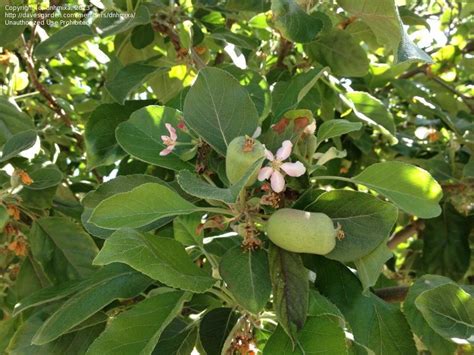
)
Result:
{"points": [[393, 294], [30, 68], [407, 232], [283, 50], [469, 101]]}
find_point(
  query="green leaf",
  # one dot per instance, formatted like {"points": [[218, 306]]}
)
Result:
{"points": [[257, 87], [219, 109], [247, 276], [194, 186], [99, 134], [290, 289], [365, 220], [110, 188], [407, 51], [106, 285], [293, 22], [380, 15], [321, 335], [67, 37], [58, 237], [177, 339], [12, 120], [287, 95], [341, 52], [10, 32], [377, 325], [140, 206], [370, 266], [185, 229], [75, 342], [112, 23], [140, 136], [410, 188], [44, 178], [129, 78], [449, 310], [215, 327], [18, 143], [4, 216], [162, 259], [371, 110], [142, 36], [137, 330], [248, 5], [336, 128], [47, 295], [446, 244], [431, 339]]}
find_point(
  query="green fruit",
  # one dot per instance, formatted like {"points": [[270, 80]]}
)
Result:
{"points": [[302, 232], [242, 152]]}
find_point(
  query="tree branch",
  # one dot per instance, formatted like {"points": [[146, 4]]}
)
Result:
{"points": [[407, 232]]}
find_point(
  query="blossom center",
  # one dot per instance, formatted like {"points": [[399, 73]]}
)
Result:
{"points": [[276, 164]]}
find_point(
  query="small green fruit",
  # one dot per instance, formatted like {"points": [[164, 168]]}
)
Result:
{"points": [[242, 152], [302, 232]]}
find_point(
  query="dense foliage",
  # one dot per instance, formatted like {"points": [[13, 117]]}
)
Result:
{"points": [[237, 176]]}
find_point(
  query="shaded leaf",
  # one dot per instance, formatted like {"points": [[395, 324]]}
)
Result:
{"points": [[336, 128], [137, 330], [129, 78], [110, 188], [341, 52], [67, 37], [195, 186], [365, 220], [219, 109], [106, 285], [140, 136], [377, 325], [369, 267], [140, 206], [410, 188], [432, 340], [247, 276], [446, 244], [99, 135], [293, 22], [449, 310], [290, 289], [215, 327], [162, 259], [18, 143]]}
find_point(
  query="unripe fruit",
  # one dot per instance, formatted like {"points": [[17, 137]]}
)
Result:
{"points": [[242, 152], [302, 232]]}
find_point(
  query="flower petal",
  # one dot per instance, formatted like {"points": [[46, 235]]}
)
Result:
{"points": [[277, 181], [167, 150], [269, 155], [172, 131], [285, 150], [257, 132], [293, 169], [265, 173], [311, 128]]}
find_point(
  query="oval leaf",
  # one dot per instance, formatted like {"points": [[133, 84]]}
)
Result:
{"points": [[219, 109], [162, 259], [410, 188]]}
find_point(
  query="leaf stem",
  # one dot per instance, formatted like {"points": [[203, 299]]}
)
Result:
{"points": [[341, 178]]}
